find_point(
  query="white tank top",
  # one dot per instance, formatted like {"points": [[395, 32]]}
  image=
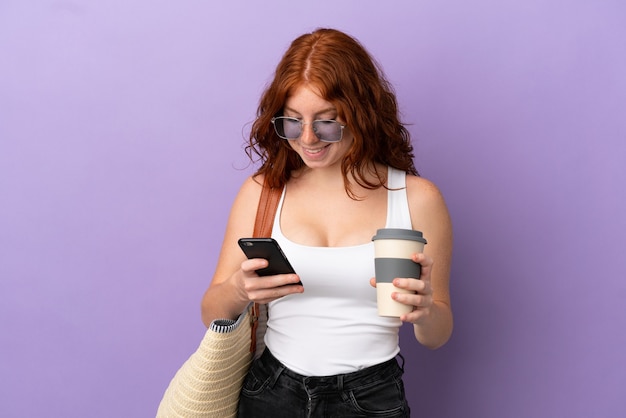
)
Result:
{"points": [[333, 327]]}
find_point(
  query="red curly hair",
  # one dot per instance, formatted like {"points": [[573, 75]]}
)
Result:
{"points": [[345, 74]]}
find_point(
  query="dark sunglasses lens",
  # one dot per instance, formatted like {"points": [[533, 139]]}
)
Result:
{"points": [[327, 130], [288, 128]]}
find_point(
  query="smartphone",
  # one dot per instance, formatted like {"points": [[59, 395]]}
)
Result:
{"points": [[268, 249]]}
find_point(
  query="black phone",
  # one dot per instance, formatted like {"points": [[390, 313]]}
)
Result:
{"points": [[268, 249]]}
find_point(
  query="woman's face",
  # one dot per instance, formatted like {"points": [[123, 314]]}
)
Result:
{"points": [[305, 104]]}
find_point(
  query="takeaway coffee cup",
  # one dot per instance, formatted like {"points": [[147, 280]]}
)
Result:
{"points": [[393, 249]]}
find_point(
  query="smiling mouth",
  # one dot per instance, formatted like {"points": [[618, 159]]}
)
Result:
{"points": [[316, 150]]}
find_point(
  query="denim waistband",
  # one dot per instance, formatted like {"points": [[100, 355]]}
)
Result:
{"points": [[367, 376]]}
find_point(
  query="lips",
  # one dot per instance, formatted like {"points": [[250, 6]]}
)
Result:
{"points": [[315, 153], [315, 150]]}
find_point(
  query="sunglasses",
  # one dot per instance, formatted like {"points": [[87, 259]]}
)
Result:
{"points": [[324, 130]]}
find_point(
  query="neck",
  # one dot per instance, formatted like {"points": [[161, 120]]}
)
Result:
{"points": [[331, 179]]}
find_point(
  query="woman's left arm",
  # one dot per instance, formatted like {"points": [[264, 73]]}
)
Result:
{"points": [[432, 316]]}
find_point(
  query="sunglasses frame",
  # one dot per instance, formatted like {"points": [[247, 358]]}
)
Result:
{"points": [[302, 123]]}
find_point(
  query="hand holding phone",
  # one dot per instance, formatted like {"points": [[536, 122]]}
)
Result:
{"points": [[268, 249]]}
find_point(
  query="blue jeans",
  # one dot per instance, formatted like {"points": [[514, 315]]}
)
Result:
{"points": [[272, 390]]}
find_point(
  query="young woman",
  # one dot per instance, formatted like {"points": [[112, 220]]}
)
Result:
{"points": [[328, 134]]}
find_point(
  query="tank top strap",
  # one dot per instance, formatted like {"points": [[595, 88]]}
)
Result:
{"points": [[277, 233], [398, 214]]}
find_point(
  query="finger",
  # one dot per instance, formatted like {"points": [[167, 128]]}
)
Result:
{"points": [[281, 280], [267, 295], [425, 262], [414, 285], [250, 266], [418, 301], [272, 282], [256, 282], [422, 259], [413, 317], [373, 282]]}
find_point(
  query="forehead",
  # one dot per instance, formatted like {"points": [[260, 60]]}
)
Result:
{"points": [[306, 99]]}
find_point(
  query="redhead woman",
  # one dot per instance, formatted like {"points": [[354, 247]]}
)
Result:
{"points": [[328, 135]]}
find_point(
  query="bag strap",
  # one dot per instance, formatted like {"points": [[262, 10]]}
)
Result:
{"points": [[265, 214], [266, 211]]}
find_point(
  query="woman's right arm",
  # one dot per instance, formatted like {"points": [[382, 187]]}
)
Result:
{"points": [[235, 282], [225, 297]]}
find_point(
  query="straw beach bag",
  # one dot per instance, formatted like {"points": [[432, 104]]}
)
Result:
{"points": [[209, 382]]}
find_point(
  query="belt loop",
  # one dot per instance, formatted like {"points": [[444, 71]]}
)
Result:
{"points": [[276, 368], [276, 375], [344, 396], [402, 357]]}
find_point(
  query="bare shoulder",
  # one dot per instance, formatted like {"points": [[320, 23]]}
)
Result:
{"points": [[422, 192], [240, 224], [245, 204], [429, 212], [251, 188]]}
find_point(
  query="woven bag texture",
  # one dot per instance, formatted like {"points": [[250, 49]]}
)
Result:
{"points": [[208, 383]]}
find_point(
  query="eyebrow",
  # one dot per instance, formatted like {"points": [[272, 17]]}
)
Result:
{"points": [[321, 112]]}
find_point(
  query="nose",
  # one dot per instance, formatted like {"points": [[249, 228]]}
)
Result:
{"points": [[308, 136]]}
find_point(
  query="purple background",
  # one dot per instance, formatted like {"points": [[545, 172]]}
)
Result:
{"points": [[121, 132]]}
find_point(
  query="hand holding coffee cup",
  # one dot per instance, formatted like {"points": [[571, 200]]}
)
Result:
{"points": [[394, 249]]}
